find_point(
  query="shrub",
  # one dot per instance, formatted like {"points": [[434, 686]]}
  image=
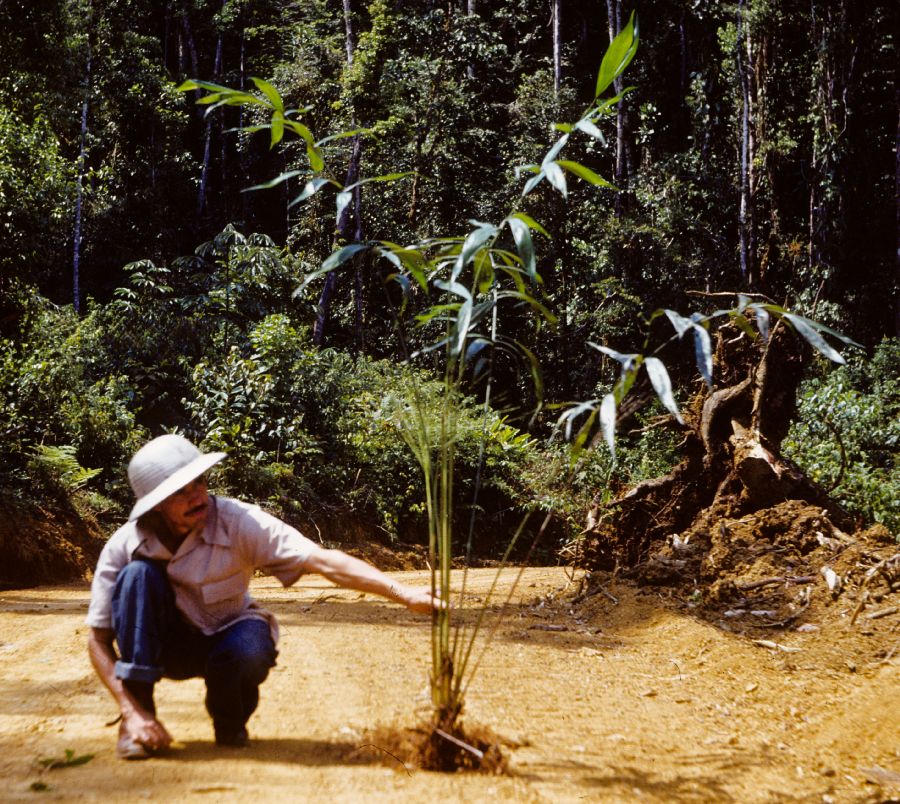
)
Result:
{"points": [[848, 433]]}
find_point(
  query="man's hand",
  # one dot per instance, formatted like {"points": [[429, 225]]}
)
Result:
{"points": [[145, 729], [420, 601]]}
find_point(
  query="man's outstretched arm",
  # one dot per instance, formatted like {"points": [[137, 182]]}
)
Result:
{"points": [[352, 573]]}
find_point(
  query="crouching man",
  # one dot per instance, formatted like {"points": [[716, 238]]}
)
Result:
{"points": [[171, 592]]}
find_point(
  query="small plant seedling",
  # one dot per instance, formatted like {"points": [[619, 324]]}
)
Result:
{"points": [[69, 761]]}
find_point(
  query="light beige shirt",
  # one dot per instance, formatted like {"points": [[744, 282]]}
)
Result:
{"points": [[211, 570]]}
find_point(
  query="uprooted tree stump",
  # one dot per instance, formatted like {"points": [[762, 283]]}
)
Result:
{"points": [[732, 466]]}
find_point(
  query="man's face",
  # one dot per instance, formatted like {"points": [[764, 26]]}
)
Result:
{"points": [[186, 509]]}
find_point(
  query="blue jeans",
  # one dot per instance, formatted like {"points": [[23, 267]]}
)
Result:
{"points": [[155, 641]]}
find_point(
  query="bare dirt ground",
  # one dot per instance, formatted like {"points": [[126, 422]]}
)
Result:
{"points": [[619, 696]]}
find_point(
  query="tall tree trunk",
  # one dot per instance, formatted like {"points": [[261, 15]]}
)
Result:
{"points": [[745, 214], [79, 181], [897, 196], [349, 226], [207, 137], [556, 12], [624, 156], [471, 11]]}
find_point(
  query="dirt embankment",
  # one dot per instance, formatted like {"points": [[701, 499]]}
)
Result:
{"points": [[599, 689]]}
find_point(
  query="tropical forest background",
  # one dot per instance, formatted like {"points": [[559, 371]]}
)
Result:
{"points": [[144, 288]]}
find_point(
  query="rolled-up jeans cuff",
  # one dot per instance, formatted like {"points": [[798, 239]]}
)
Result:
{"points": [[128, 671]]}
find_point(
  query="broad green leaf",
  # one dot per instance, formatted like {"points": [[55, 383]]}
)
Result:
{"points": [[339, 257], [584, 173], [311, 188], [804, 327], [617, 57], [522, 235], [270, 92], [608, 421], [659, 379], [556, 177]]}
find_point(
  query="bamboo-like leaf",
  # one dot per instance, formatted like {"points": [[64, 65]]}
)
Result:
{"points": [[529, 300], [270, 92], [277, 129], [483, 269], [626, 379], [339, 257], [804, 327], [315, 158], [588, 127], [290, 174], [343, 135], [659, 379], [608, 421], [533, 182], [618, 56], [554, 151], [475, 240], [343, 198], [386, 177], [300, 130], [703, 353], [680, 323], [584, 173], [531, 222], [743, 324], [762, 319], [556, 177], [626, 360], [311, 188], [435, 311], [522, 235]]}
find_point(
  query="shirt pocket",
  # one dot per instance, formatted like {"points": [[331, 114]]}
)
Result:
{"points": [[234, 587]]}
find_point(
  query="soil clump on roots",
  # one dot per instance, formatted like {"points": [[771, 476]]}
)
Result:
{"points": [[432, 748]]}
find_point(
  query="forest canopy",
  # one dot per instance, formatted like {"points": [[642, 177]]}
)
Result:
{"points": [[145, 288]]}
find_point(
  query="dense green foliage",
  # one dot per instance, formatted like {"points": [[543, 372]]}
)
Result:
{"points": [[848, 434], [212, 339]]}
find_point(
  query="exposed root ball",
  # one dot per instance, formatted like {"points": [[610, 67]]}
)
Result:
{"points": [[428, 747]]}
